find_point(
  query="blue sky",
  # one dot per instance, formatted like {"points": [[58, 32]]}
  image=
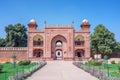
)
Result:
{"points": [[106, 12]]}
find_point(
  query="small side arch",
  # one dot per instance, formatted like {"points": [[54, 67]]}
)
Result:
{"points": [[37, 53], [79, 53], [79, 40], [37, 40]]}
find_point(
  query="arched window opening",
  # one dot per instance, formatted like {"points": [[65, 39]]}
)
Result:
{"points": [[38, 40], [79, 40]]}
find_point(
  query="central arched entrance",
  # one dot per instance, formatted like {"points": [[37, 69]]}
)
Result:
{"points": [[58, 47]]}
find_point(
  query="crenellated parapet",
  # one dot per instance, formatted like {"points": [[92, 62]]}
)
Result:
{"points": [[58, 26]]}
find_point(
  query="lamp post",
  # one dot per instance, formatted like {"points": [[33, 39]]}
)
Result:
{"points": [[105, 61], [108, 70], [16, 73], [106, 64], [5, 75], [14, 60], [23, 69]]}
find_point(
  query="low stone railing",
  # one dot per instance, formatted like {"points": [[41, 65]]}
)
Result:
{"points": [[12, 48]]}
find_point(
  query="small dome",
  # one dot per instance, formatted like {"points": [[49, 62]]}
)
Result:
{"points": [[85, 20], [32, 23], [32, 20]]}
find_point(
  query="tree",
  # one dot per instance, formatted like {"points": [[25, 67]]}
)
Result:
{"points": [[117, 47], [2, 42], [16, 35], [102, 41]]}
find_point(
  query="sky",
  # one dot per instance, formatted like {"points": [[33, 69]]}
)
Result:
{"points": [[106, 12]]}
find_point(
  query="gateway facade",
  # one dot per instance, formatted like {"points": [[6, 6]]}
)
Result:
{"points": [[58, 41]]}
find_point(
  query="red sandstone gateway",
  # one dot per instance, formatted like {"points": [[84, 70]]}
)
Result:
{"points": [[55, 42]]}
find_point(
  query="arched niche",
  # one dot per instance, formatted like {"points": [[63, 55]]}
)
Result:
{"points": [[37, 40], [79, 40]]}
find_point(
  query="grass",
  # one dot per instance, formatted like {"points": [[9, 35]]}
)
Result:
{"points": [[8, 70], [113, 69]]}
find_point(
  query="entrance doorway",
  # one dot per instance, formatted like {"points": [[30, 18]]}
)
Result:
{"points": [[59, 54], [79, 54], [58, 45]]}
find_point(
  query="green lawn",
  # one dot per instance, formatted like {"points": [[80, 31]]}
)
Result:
{"points": [[113, 69], [8, 68]]}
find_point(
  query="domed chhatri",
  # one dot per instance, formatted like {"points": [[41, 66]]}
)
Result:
{"points": [[85, 22], [32, 21]]}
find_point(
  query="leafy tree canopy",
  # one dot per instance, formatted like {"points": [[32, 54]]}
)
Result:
{"points": [[16, 35], [103, 41], [2, 42]]}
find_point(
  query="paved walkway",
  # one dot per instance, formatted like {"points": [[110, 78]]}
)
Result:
{"points": [[61, 70]]}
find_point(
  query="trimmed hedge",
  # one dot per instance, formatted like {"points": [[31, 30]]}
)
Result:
{"points": [[113, 62], [97, 73], [95, 63], [24, 62], [27, 73]]}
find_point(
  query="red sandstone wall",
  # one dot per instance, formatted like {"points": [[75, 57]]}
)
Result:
{"points": [[7, 52], [20, 55]]}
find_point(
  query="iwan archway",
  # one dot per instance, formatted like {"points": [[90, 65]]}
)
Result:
{"points": [[58, 47]]}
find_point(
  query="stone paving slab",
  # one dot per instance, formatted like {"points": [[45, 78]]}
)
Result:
{"points": [[61, 70]]}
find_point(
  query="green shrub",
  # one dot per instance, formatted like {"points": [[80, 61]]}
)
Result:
{"points": [[1, 67], [24, 62], [95, 63], [7, 62], [113, 62]]}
